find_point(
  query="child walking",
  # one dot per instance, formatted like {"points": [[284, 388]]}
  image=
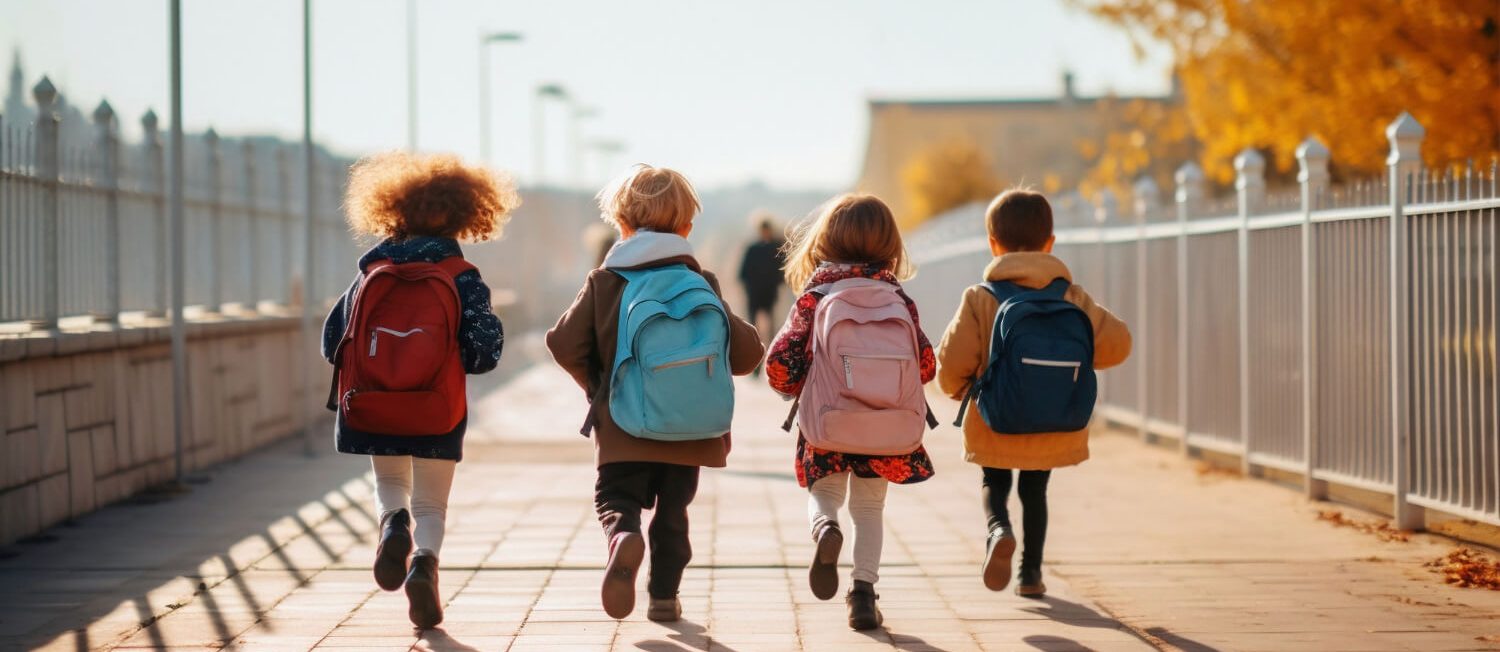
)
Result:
{"points": [[653, 347], [415, 320], [853, 351], [1022, 440]]}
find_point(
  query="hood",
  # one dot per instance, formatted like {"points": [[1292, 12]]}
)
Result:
{"points": [[420, 249], [646, 247], [1032, 269]]}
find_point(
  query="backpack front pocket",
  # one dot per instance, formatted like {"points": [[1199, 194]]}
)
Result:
{"points": [[687, 393], [874, 379]]}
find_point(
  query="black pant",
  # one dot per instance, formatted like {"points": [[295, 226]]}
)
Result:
{"points": [[625, 488], [1032, 489]]}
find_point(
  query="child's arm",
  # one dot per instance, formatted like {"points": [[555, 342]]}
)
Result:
{"points": [[337, 321], [1112, 339], [791, 351], [745, 347], [480, 333], [963, 348], [927, 360], [571, 340]]}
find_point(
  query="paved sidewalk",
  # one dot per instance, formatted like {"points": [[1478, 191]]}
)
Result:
{"points": [[1145, 552]]}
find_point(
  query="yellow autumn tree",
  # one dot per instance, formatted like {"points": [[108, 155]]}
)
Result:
{"points": [[1142, 138], [1269, 73], [945, 176]]}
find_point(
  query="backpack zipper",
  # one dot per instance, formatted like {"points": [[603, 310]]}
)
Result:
{"points": [[708, 359], [1067, 364], [849, 366], [375, 334]]}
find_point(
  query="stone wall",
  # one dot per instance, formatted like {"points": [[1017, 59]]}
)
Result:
{"points": [[87, 417]]}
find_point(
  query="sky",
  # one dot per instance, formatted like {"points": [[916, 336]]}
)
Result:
{"points": [[773, 91]]}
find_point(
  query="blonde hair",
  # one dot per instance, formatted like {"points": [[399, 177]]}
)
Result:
{"points": [[648, 198], [849, 228], [399, 195]]}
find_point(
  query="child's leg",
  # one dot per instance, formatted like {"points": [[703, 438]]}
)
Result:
{"points": [[824, 498], [996, 490], [867, 510], [433, 481], [393, 479], [621, 491], [1032, 488], [674, 487]]}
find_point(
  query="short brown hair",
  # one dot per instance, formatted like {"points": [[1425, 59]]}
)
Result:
{"points": [[1020, 220], [649, 198], [399, 195], [849, 229]]}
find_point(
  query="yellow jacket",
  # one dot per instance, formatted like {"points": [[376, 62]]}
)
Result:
{"points": [[966, 347]]}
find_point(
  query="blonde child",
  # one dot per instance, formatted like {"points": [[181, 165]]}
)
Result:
{"points": [[853, 237], [1019, 223], [653, 210], [399, 379]]}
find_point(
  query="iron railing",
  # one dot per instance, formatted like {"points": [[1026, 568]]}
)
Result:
{"points": [[1348, 337]]}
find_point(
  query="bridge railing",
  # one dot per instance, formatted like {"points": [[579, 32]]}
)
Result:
{"points": [[1341, 335], [84, 221]]}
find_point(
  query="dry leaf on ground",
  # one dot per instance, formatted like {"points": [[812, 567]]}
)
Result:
{"points": [[1381, 529], [1468, 568]]}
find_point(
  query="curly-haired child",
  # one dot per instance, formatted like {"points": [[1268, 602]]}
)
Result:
{"points": [[415, 320]]}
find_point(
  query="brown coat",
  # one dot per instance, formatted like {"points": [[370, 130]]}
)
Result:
{"points": [[583, 343], [965, 350]]}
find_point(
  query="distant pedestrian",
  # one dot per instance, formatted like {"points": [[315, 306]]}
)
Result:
{"points": [[1033, 382], [760, 273], [416, 319], [853, 353], [658, 379]]}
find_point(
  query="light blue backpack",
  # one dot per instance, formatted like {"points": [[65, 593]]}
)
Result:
{"points": [[671, 379]]}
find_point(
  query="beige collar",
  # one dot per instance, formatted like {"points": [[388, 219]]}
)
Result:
{"points": [[1029, 268]]}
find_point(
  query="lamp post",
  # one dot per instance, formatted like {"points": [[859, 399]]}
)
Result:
{"points": [[309, 294], [538, 127], [575, 134], [178, 250], [486, 40]]}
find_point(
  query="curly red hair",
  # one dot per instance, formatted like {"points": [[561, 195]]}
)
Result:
{"points": [[398, 195]]}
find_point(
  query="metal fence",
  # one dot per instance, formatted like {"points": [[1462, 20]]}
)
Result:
{"points": [[1345, 334], [83, 225]]}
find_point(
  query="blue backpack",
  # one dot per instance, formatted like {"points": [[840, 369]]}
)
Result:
{"points": [[671, 380], [1040, 375]]}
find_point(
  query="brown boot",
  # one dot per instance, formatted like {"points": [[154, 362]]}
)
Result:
{"points": [[626, 551], [425, 603], [823, 572], [664, 610], [997, 559], [1029, 584], [863, 613], [395, 546]]}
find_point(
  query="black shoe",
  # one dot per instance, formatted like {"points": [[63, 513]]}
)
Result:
{"points": [[395, 547], [863, 614], [823, 572], [1029, 583], [425, 604], [999, 551]]}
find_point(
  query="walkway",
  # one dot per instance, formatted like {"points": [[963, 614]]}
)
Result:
{"points": [[1145, 552]]}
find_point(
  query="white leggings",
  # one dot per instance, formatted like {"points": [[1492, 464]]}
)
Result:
{"points": [[419, 485], [866, 509]]}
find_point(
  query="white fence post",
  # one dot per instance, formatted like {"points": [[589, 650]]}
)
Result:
{"points": [[48, 171], [108, 140], [1250, 187], [1189, 180], [156, 163], [1312, 159], [1146, 205], [252, 228], [288, 238], [215, 303], [1405, 135]]}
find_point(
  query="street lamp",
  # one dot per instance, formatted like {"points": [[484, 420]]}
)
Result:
{"points": [[486, 40], [538, 135], [575, 134]]}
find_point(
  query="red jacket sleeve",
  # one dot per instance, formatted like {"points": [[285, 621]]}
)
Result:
{"points": [[791, 351]]}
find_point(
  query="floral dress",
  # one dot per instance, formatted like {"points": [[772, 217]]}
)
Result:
{"points": [[791, 358]]}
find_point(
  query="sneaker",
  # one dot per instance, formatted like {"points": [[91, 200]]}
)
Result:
{"points": [[664, 610], [1029, 584], [395, 546], [626, 551], [424, 603], [1000, 550], [823, 573], [863, 614]]}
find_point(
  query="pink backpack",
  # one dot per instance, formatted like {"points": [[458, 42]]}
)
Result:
{"points": [[863, 392]]}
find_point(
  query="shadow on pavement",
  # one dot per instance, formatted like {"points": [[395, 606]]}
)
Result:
{"points": [[438, 640], [1177, 641], [1056, 644]]}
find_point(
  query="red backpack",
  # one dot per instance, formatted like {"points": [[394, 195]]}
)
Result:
{"points": [[397, 368]]}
